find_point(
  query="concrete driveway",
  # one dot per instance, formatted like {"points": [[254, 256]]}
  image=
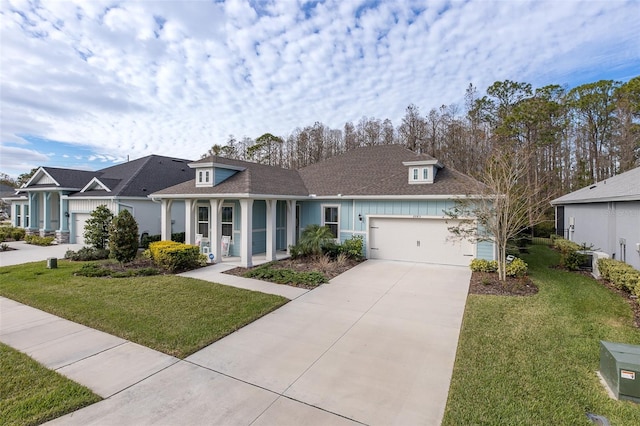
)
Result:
{"points": [[375, 346]]}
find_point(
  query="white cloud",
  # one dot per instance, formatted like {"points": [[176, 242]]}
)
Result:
{"points": [[172, 77]]}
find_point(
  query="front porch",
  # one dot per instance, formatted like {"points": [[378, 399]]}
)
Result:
{"points": [[241, 231], [230, 262]]}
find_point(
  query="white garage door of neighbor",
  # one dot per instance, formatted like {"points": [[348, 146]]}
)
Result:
{"points": [[417, 240], [78, 226]]}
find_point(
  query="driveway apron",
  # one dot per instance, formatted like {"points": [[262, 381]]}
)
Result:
{"points": [[375, 346]]}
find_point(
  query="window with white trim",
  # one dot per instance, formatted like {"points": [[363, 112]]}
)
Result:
{"points": [[415, 174], [200, 176], [203, 221], [25, 212], [206, 177], [425, 173], [226, 219], [331, 219], [18, 218]]}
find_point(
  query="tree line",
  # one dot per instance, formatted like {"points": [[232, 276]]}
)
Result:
{"points": [[576, 136]]}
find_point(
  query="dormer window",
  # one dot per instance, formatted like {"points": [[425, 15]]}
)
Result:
{"points": [[200, 176], [422, 171]]}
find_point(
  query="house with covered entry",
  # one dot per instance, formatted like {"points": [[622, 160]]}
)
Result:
{"points": [[394, 198], [58, 201], [605, 215]]}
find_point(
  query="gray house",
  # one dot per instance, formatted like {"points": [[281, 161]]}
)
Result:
{"points": [[606, 215], [58, 201]]}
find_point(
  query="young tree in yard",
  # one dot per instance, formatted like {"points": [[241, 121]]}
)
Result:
{"points": [[96, 229], [505, 207], [123, 237]]}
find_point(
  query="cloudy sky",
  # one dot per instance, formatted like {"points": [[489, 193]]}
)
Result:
{"points": [[88, 83]]}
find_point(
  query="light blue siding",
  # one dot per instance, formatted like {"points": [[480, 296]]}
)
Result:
{"points": [[485, 250], [311, 213], [220, 174]]}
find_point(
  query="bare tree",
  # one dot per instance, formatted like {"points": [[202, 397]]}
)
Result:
{"points": [[505, 207]]}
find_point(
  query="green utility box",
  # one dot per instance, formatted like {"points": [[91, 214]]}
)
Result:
{"points": [[620, 368]]}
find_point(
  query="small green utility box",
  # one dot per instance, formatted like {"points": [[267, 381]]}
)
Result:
{"points": [[620, 368]]}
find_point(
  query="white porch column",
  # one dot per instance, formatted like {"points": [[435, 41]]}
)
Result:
{"points": [[215, 231], [246, 233], [165, 220], [46, 219], [189, 219], [271, 229], [291, 223]]}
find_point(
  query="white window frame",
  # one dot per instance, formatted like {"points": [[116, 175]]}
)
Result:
{"points": [[337, 223], [232, 207], [199, 176], [208, 221], [18, 216], [415, 173], [425, 173]]}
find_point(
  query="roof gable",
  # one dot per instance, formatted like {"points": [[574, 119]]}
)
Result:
{"points": [[622, 187]]}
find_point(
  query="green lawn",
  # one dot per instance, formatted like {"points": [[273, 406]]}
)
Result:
{"points": [[533, 360], [30, 394], [171, 314]]}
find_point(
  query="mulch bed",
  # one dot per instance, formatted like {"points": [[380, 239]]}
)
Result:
{"points": [[303, 265], [488, 283]]}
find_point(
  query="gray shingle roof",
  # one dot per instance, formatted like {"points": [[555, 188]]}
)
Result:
{"points": [[69, 178], [255, 179], [136, 178], [623, 187], [378, 170], [367, 171]]}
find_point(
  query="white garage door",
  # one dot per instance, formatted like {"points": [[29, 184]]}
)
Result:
{"points": [[78, 226], [417, 240]]}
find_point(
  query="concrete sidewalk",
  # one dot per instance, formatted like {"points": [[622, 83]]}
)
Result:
{"points": [[104, 363], [25, 253], [214, 273]]}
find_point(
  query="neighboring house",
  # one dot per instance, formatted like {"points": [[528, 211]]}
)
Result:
{"points": [[605, 215], [57, 202], [5, 207], [390, 196]]}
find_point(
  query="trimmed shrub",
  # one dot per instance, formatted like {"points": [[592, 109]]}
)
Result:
{"points": [[482, 265], [175, 257], [353, 247], [620, 274], [18, 234], [123, 237], [517, 268], [146, 239], [11, 232], [569, 256], [37, 240], [87, 253], [92, 269]]}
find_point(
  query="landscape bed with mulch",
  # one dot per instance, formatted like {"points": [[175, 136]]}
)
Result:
{"points": [[488, 283], [328, 269]]}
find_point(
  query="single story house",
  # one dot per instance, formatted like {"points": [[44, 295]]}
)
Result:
{"points": [[392, 197], [605, 215], [57, 201]]}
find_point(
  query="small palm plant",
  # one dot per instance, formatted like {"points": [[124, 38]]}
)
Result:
{"points": [[314, 238]]}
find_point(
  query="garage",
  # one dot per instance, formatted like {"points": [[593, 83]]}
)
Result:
{"points": [[417, 240], [79, 221]]}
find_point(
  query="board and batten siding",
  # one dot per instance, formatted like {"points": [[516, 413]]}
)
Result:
{"points": [[311, 213]]}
